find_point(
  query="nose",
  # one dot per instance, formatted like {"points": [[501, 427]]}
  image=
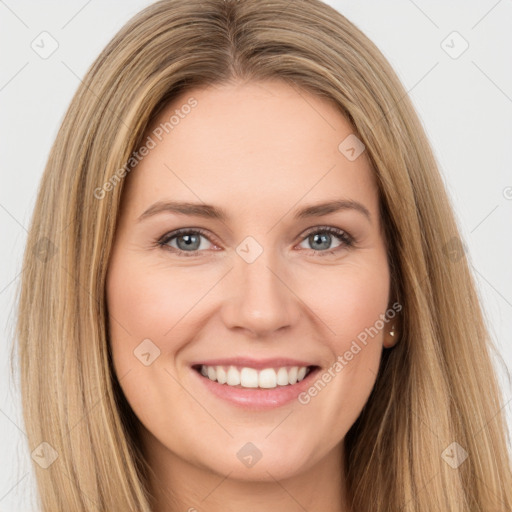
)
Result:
{"points": [[261, 298]]}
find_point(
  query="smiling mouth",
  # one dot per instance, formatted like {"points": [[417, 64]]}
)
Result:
{"points": [[247, 377]]}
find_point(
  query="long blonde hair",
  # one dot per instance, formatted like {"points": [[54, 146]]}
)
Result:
{"points": [[437, 386]]}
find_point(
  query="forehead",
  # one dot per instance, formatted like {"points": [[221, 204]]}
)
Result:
{"points": [[250, 145]]}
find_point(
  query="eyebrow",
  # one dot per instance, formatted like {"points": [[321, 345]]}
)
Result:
{"points": [[212, 212]]}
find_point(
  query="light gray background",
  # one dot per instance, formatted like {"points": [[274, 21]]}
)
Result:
{"points": [[465, 104]]}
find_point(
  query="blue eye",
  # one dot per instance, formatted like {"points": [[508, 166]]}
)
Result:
{"points": [[323, 236], [188, 241]]}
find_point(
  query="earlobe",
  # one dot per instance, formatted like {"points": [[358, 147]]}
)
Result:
{"points": [[390, 336], [392, 331]]}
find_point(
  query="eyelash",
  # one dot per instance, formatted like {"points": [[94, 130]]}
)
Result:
{"points": [[343, 236]]}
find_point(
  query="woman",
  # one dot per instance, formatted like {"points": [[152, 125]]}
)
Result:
{"points": [[185, 342]]}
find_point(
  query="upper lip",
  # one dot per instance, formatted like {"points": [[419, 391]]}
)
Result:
{"points": [[258, 364]]}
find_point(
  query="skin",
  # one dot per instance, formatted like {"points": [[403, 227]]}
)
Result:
{"points": [[260, 151]]}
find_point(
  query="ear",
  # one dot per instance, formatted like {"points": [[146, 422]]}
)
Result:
{"points": [[391, 334], [393, 328]]}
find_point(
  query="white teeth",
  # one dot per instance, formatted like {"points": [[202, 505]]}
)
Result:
{"points": [[292, 375], [233, 376], [252, 378], [222, 376], [282, 377], [212, 373], [249, 378], [267, 378]]}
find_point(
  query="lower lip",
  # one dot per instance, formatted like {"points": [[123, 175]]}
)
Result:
{"points": [[257, 398]]}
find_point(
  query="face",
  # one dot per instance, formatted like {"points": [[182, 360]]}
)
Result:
{"points": [[212, 326]]}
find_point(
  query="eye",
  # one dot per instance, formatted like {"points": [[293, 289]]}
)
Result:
{"points": [[188, 242], [321, 238]]}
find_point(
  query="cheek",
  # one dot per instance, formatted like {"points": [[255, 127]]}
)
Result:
{"points": [[348, 299], [153, 309], [351, 305], [145, 306], [148, 302]]}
